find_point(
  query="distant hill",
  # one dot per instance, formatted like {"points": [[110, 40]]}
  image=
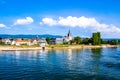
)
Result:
{"points": [[28, 36], [41, 36]]}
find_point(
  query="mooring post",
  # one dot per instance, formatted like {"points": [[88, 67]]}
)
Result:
{"points": [[43, 48]]}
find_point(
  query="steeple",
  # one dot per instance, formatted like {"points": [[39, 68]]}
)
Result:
{"points": [[68, 38], [69, 33]]}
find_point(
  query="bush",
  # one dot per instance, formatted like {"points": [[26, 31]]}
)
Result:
{"points": [[2, 43]]}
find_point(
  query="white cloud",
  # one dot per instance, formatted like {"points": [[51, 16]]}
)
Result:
{"points": [[27, 20], [49, 21], [2, 25], [77, 22], [71, 21], [83, 22]]}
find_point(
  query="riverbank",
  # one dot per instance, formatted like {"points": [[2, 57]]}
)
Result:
{"points": [[12, 48], [80, 46]]}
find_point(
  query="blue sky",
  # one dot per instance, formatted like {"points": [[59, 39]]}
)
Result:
{"points": [[83, 17]]}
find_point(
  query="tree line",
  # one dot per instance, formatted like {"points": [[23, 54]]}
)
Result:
{"points": [[94, 40]]}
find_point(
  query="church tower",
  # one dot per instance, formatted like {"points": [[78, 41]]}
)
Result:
{"points": [[69, 35]]}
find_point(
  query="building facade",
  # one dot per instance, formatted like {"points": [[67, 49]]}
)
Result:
{"points": [[68, 38], [54, 41]]}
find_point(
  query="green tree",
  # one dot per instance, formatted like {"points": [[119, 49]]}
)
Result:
{"points": [[113, 42], [77, 40], [87, 41], [119, 42], [65, 43], [96, 38], [104, 41], [48, 40], [99, 38], [72, 41], [2, 43]]}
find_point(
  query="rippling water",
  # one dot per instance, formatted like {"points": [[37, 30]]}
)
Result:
{"points": [[68, 64]]}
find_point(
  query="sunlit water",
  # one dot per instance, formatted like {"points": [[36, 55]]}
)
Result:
{"points": [[68, 64]]}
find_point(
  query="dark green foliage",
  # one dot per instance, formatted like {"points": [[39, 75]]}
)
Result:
{"points": [[104, 41], [72, 41], [77, 40], [65, 43], [118, 41], [87, 41], [2, 43], [99, 38], [113, 42], [48, 40], [96, 38]]}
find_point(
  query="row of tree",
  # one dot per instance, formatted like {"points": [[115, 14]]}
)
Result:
{"points": [[95, 40], [79, 40]]}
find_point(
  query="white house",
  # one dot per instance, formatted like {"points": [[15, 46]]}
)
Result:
{"points": [[13, 42], [7, 41], [42, 41]]}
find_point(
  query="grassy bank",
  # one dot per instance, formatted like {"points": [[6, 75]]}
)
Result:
{"points": [[36, 47], [79, 46]]}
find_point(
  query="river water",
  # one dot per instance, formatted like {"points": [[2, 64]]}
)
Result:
{"points": [[68, 64]]}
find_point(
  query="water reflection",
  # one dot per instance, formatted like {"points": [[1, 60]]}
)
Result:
{"points": [[69, 53], [96, 55], [72, 64], [17, 54]]}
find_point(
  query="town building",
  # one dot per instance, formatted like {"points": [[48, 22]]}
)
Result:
{"points": [[59, 40], [68, 38], [29, 42], [42, 42], [54, 41], [7, 41], [37, 40]]}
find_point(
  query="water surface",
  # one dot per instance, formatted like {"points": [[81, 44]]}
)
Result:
{"points": [[68, 64]]}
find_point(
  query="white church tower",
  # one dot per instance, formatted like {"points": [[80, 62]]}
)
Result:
{"points": [[69, 36]]}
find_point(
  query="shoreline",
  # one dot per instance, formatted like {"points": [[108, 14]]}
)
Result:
{"points": [[11, 48]]}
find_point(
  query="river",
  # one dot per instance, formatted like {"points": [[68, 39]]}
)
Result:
{"points": [[61, 64]]}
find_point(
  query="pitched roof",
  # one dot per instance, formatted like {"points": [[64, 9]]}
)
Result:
{"points": [[20, 40]]}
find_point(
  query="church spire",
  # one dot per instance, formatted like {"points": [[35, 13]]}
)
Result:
{"points": [[69, 33]]}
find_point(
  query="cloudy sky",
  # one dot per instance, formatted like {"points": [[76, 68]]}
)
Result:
{"points": [[82, 17]]}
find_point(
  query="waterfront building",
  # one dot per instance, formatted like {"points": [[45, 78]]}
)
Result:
{"points": [[68, 38], [54, 41], [29, 42], [7, 41], [59, 40], [42, 42]]}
